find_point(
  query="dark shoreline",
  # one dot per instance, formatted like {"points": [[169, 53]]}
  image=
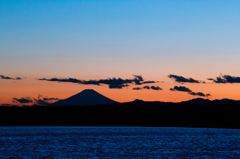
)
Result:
{"points": [[151, 114], [111, 127]]}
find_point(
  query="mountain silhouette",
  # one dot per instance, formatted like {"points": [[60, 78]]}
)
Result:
{"points": [[202, 101], [197, 101], [86, 97], [89, 108], [192, 102]]}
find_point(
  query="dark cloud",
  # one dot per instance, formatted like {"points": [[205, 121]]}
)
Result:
{"points": [[156, 88], [226, 79], [148, 82], [112, 83], [189, 91], [9, 78], [181, 89], [40, 100], [201, 94], [137, 88], [24, 100], [182, 79]]}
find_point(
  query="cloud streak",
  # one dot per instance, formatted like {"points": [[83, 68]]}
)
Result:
{"points": [[40, 100], [23, 100], [182, 79], [9, 78], [112, 83], [156, 88], [226, 79], [189, 91]]}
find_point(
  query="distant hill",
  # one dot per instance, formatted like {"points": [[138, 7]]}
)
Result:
{"points": [[92, 97], [86, 97], [201, 101], [89, 108], [192, 102], [197, 101]]}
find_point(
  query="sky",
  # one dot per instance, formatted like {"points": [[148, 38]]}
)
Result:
{"points": [[107, 39]]}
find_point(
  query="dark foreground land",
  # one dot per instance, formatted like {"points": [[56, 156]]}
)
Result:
{"points": [[194, 113]]}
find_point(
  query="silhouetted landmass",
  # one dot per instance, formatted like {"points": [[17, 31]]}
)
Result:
{"points": [[86, 97], [90, 108], [194, 113]]}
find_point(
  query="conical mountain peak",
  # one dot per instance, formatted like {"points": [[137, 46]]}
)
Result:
{"points": [[86, 97], [88, 91]]}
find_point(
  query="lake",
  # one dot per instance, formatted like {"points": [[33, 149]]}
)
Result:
{"points": [[118, 142]]}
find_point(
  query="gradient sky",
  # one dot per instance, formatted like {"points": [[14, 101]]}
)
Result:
{"points": [[97, 39]]}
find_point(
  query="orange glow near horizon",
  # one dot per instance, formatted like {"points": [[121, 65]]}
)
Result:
{"points": [[33, 88], [106, 39]]}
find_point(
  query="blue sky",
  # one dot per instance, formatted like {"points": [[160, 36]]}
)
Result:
{"points": [[103, 38], [112, 30]]}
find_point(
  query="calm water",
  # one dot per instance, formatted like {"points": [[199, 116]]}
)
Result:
{"points": [[85, 142]]}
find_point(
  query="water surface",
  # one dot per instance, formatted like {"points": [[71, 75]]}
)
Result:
{"points": [[118, 142]]}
